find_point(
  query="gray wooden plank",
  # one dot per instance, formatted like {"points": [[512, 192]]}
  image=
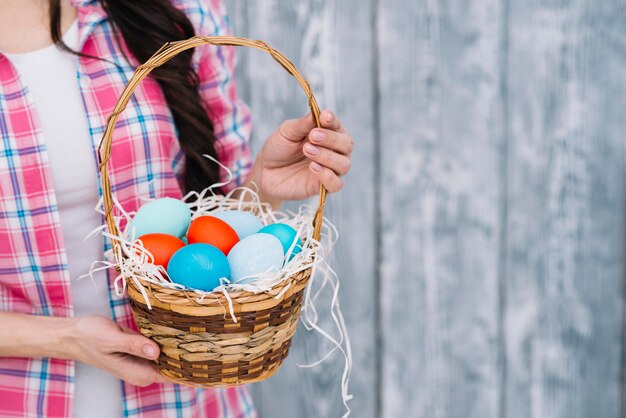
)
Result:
{"points": [[319, 37], [441, 197], [565, 256]]}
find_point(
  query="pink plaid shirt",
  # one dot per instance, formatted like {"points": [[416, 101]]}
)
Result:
{"points": [[146, 161]]}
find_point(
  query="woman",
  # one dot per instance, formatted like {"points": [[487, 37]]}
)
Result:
{"points": [[66, 350]]}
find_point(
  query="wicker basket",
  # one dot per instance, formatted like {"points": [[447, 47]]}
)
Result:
{"points": [[200, 344]]}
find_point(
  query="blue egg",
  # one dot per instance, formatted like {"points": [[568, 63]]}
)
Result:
{"points": [[244, 223], [199, 266], [256, 253], [165, 216], [287, 235]]}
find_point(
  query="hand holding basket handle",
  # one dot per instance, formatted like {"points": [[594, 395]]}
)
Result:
{"points": [[199, 344]]}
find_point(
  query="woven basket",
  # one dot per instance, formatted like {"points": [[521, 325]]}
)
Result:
{"points": [[200, 343]]}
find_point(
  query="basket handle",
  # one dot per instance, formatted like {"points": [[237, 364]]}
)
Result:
{"points": [[164, 54]]}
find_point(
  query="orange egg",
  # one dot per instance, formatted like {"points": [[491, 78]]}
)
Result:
{"points": [[161, 246], [214, 231]]}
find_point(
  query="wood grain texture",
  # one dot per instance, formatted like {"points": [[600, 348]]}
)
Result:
{"points": [[490, 157], [319, 37], [441, 147], [566, 132]]}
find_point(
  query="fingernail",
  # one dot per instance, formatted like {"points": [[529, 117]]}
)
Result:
{"points": [[318, 136], [329, 116], [316, 167], [149, 351], [311, 149]]}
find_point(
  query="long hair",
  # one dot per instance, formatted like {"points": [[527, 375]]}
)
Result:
{"points": [[145, 25]]}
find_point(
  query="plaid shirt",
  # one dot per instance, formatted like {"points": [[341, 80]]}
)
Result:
{"points": [[146, 161]]}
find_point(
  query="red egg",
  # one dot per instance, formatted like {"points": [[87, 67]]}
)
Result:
{"points": [[214, 231], [161, 246]]}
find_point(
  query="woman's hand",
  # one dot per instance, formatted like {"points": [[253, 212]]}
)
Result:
{"points": [[94, 340], [98, 341], [298, 156]]}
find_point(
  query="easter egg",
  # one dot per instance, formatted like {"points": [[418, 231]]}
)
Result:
{"points": [[161, 246], [199, 266], [256, 253], [210, 230], [287, 235], [244, 223], [164, 216]]}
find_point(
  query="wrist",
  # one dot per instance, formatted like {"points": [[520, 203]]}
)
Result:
{"points": [[55, 337], [23, 335], [64, 340]]}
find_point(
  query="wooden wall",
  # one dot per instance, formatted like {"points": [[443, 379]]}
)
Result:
{"points": [[482, 225]]}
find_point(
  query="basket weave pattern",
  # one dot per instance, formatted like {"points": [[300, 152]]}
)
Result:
{"points": [[208, 349], [200, 343]]}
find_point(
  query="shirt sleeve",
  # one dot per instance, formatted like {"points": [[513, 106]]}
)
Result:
{"points": [[215, 67]]}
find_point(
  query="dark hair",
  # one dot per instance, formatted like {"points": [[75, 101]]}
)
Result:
{"points": [[145, 25]]}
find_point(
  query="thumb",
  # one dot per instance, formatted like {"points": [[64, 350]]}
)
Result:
{"points": [[296, 129], [136, 345]]}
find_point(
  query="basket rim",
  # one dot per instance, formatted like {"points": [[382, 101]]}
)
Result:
{"points": [[216, 303]]}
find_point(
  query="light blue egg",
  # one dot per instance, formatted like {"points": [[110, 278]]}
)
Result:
{"points": [[287, 235], [165, 216], [199, 266], [256, 253], [244, 223]]}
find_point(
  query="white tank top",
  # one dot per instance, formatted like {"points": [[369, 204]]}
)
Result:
{"points": [[51, 77]]}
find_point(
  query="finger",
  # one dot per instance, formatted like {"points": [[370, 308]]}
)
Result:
{"points": [[296, 129], [136, 371], [337, 141], [127, 330], [339, 163], [136, 345], [327, 177], [162, 379], [330, 121]]}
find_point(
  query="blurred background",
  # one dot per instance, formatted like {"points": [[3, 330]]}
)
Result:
{"points": [[481, 250]]}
